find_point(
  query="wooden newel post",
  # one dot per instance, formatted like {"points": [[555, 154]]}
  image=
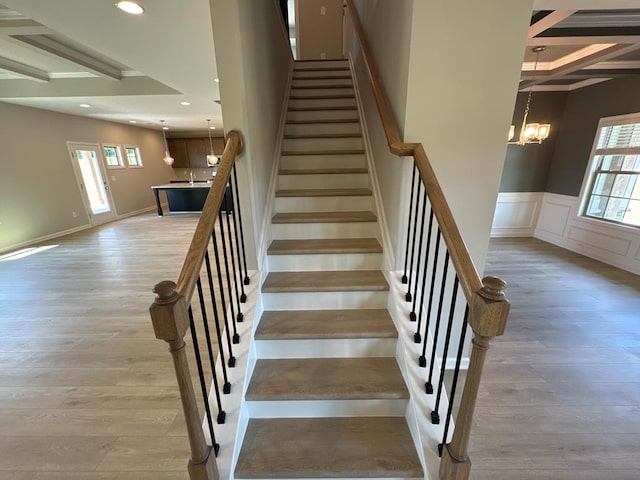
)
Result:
{"points": [[170, 319], [488, 318]]}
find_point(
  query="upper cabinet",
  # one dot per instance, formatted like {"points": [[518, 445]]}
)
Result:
{"points": [[192, 152]]}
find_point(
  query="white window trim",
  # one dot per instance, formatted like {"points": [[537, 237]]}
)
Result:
{"points": [[139, 155], [588, 174], [118, 147]]}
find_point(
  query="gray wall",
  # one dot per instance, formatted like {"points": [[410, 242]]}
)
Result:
{"points": [[584, 109], [38, 188], [526, 167]]}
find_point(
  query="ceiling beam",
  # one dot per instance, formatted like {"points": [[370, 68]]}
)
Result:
{"points": [[27, 71], [549, 21], [49, 45], [579, 64]]}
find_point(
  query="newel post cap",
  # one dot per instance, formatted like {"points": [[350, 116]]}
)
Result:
{"points": [[490, 308], [168, 312]]}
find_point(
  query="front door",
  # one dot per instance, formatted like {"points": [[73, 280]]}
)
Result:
{"points": [[89, 168]]}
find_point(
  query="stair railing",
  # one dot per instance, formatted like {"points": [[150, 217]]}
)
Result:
{"points": [[432, 288], [189, 303]]}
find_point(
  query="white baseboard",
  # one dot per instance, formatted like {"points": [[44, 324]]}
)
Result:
{"points": [[44, 238], [560, 224], [516, 214], [165, 206]]}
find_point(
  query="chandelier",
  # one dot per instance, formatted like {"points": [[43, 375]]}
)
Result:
{"points": [[530, 132]]}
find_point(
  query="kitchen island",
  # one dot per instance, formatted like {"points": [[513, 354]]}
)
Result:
{"points": [[187, 197]]}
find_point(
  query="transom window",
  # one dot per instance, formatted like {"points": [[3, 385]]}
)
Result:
{"points": [[133, 156], [614, 185], [113, 156]]}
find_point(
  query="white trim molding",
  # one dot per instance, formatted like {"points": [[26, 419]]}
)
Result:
{"points": [[516, 214], [560, 224]]}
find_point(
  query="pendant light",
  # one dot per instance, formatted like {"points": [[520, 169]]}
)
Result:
{"points": [[212, 160], [530, 132], [168, 159]]}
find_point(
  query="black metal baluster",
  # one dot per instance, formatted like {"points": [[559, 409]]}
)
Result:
{"points": [[232, 359], [236, 337], [417, 337], [429, 385], [407, 297], [236, 201], [406, 252], [454, 382], [221, 413], [412, 315], [435, 416], [203, 386], [236, 206], [227, 385], [422, 361], [240, 316]]}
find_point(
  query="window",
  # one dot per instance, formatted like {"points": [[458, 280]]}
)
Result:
{"points": [[613, 192], [113, 156], [133, 156]]}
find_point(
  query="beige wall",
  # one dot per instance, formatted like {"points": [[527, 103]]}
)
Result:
{"points": [[38, 188], [464, 70], [316, 33], [254, 59], [388, 28]]}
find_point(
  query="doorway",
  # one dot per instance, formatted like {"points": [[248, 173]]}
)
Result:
{"points": [[90, 174]]}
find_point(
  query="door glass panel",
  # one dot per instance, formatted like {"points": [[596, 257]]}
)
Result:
{"points": [[93, 182]]}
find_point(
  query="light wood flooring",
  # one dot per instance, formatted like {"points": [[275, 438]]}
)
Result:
{"points": [[88, 393], [560, 395]]}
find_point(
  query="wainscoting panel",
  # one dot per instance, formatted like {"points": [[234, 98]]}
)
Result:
{"points": [[516, 214], [560, 224]]}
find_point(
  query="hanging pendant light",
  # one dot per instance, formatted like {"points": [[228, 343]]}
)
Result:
{"points": [[530, 132], [168, 159], [212, 160]]}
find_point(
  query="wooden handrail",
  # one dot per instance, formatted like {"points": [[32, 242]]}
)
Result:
{"points": [[464, 266], [195, 255]]}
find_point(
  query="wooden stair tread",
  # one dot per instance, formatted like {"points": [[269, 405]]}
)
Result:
{"points": [[324, 217], [324, 77], [319, 87], [322, 69], [289, 153], [324, 245], [325, 281], [347, 447], [323, 135], [321, 171], [312, 122], [321, 97], [324, 192], [327, 324], [356, 378], [320, 108]]}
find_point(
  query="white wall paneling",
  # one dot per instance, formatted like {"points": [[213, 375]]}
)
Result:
{"points": [[516, 214]]}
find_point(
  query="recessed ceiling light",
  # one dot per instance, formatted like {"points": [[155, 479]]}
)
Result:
{"points": [[130, 7], [217, 80], [132, 121], [186, 104], [85, 105], [165, 128], [212, 128]]}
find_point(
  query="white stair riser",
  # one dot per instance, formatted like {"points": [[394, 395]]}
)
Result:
{"points": [[323, 204], [324, 261], [323, 102], [338, 82], [324, 300], [322, 115], [307, 231], [341, 180], [321, 64], [321, 128], [327, 348], [321, 73], [322, 161], [327, 408], [319, 144], [319, 92]]}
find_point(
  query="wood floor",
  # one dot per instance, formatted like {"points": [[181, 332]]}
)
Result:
{"points": [[560, 396], [87, 393]]}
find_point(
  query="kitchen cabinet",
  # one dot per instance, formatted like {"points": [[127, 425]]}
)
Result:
{"points": [[192, 152]]}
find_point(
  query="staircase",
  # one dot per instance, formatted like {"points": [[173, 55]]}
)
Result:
{"points": [[326, 398]]}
